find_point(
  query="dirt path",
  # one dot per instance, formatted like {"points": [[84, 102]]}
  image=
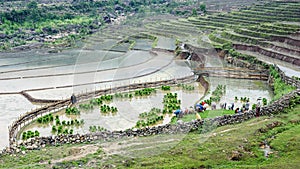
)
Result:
{"points": [[77, 153]]}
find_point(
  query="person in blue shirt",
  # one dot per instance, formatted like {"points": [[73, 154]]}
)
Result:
{"points": [[177, 112]]}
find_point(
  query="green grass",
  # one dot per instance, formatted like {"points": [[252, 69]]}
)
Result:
{"points": [[206, 114]]}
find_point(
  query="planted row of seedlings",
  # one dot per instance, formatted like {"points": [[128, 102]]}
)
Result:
{"points": [[150, 118], [68, 122], [242, 99], [72, 111], [45, 119], [96, 128], [86, 106], [216, 94], [165, 88], [61, 130], [186, 87], [171, 103], [105, 109], [63, 127], [125, 95], [144, 92], [98, 101], [30, 134]]}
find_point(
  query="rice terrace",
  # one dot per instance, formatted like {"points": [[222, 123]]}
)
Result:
{"points": [[150, 84]]}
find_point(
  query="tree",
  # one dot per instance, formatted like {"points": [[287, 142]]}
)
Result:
{"points": [[203, 8], [194, 12], [32, 5]]}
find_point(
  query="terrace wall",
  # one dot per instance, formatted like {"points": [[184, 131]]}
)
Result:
{"points": [[288, 80], [289, 59]]}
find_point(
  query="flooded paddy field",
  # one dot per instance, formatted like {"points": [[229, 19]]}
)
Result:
{"points": [[99, 62], [11, 106], [128, 111], [252, 89]]}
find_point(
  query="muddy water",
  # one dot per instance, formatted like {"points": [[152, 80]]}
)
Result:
{"points": [[166, 43], [11, 107], [136, 60], [143, 44], [252, 89], [86, 61], [129, 110], [176, 69]]}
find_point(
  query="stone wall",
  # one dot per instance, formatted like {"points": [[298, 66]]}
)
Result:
{"points": [[286, 79], [39, 142]]}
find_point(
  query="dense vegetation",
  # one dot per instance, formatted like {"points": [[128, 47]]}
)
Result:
{"points": [[61, 24]]}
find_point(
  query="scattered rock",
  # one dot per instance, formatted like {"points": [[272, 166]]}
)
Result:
{"points": [[236, 156]]}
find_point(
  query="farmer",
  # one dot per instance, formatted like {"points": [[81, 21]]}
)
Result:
{"points": [[247, 105], [225, 104], [177, 112], [213, 106], [73, 99], [198, 117], [199, 107], [232, 106]]}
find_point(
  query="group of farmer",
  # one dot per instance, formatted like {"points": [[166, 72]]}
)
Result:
{"points": [[202, 106]]}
